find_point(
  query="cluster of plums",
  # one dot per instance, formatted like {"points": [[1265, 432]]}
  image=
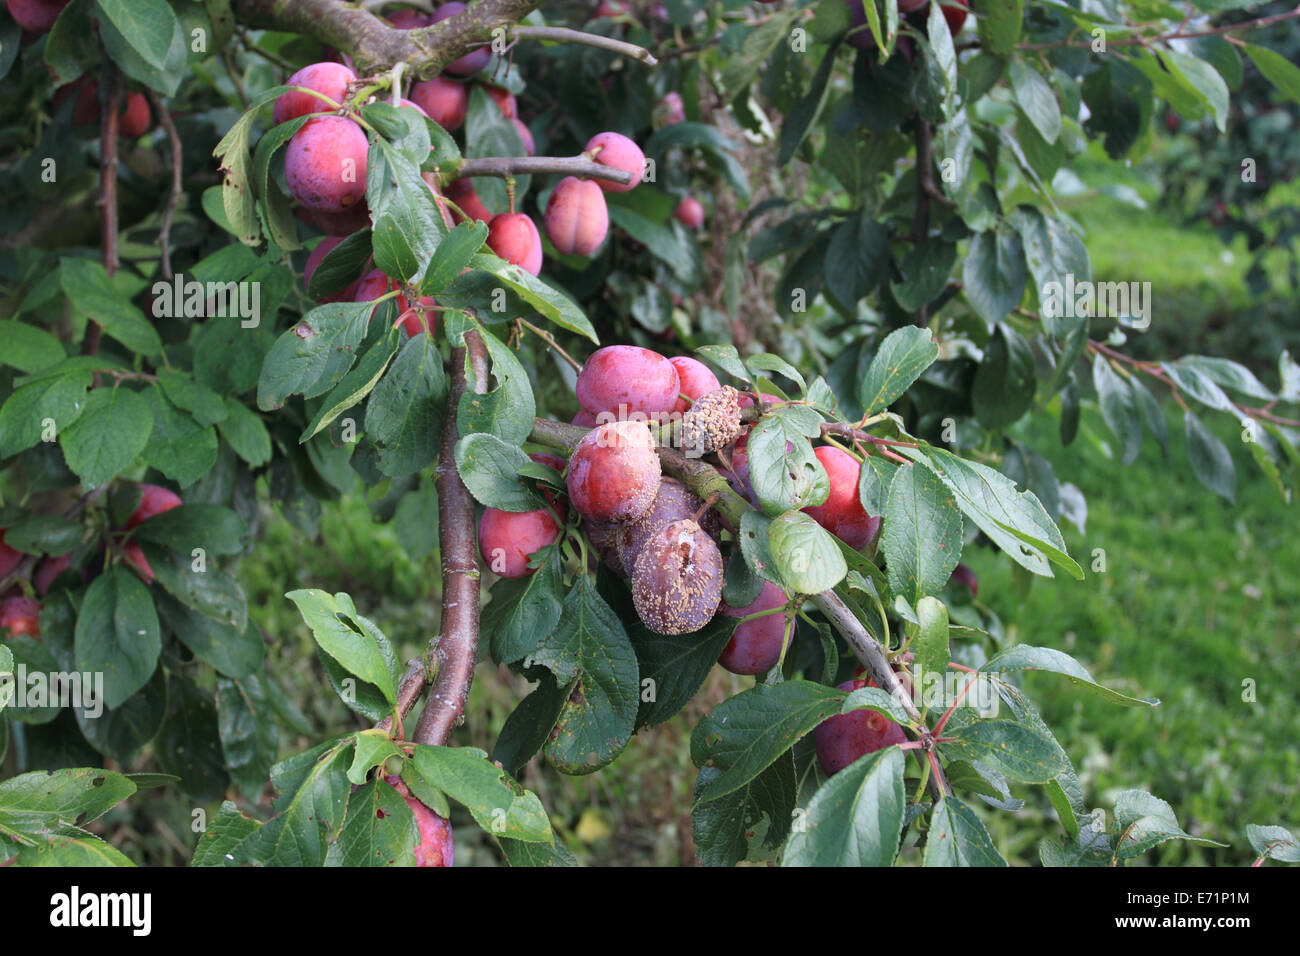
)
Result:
{"points": [[19, 613], [649, 528]]}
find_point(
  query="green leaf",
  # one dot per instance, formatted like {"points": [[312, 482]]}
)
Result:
{"points": [[999, 24], [1015, 520], [500, 805], [873, 698], [405, 412], [1119, 407], [519, 853], [93, 294], [592, 660], [211, 592], [120, 732], [46, 803], [245, 432], [1035, 98], [674, 666], [902, 357], [1017, 750], [761, 811], [227, 649], [452, 255], [117, 633], [783, 470], [147, 25], [1210, 459], [855, 818], [925, 268], [801, 117], [529, 725], [490, 469], [309, 813], [745, 734], [506, 411], [407, 224], [1022, 657], [1229, 374], [348, 638], [356, 384], [743, 65], [1277, 69], [179, 447], [220, 844], [164, 76], [673, 246], [1278, 843], [314, 354], [958, 838], [380, 829], [931, 642], [60, 399], [523, 611], [1145, 822], [922, 533], [214, 528], [805, 554], [28, 348], [207, 407], [1004, 384], [994, 275], [341, 266], [1202, 80], [44, 534]]}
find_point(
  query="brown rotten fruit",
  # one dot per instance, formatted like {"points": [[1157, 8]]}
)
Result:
{"points": [[677, 580]]}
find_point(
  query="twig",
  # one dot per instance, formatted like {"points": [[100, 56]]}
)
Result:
{"points": [[409, 690], [1143, 40], [504, 167], [456, 650], [550, 341], [565, 35], [164, 231], [110, 98]]}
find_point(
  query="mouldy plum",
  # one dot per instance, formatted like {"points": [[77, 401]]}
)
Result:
{"points": [[694, 381], [755, 646], [842, 513], [618, 152], [614, 472], [677, 579], [844, 738], [576, 218], [712, 423], [325, 164], [329, 79], [514, 237], [628, 375], [444, 101], [673, 502], [507, 539]]}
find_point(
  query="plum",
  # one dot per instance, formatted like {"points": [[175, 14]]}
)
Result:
{"points": [[677, 579]]}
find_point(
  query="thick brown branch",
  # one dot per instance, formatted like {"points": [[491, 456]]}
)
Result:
{"points": [[503, 167], [456, 649], [372, 43]]}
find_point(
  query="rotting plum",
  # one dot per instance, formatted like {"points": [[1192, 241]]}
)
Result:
{"points": [[677, 579]]}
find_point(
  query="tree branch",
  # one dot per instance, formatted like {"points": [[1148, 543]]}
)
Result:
{"points": [[110, 98], [503, 167], [456, 650], [565, 35], [164, 231]]}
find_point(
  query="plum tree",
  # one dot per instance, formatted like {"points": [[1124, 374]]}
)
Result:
{"points": [[689, 212], [325, 164], [755, 645], [20, 615], [618, 152], [627, 379], [844, 738], [842, 513], [36, 16], [694, 380], [614, 472], [445, 101], [677, 579], [576, 218], [327, 78], [514, 237]]}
